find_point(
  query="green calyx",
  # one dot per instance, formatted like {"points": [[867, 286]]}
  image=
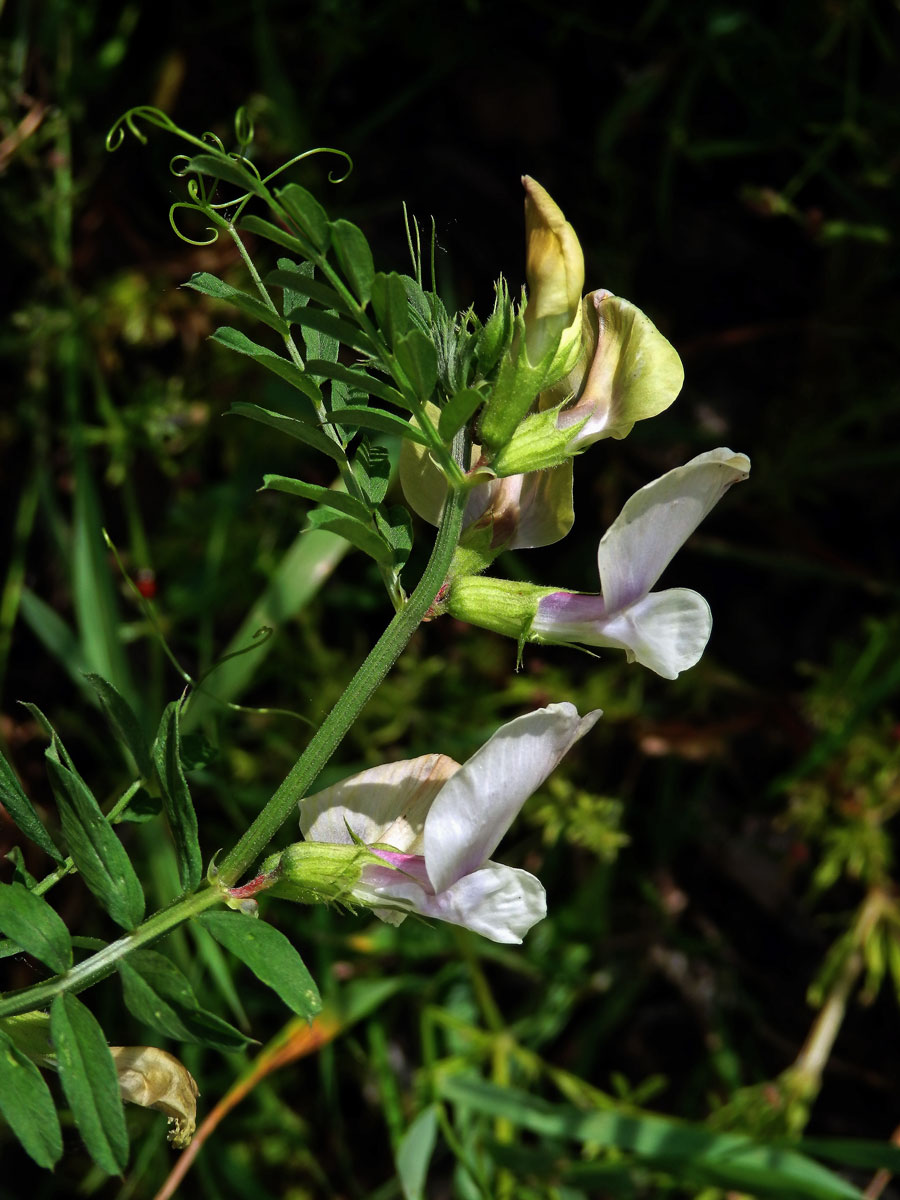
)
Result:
{"points": [[519, 382], [317, 872], [536, 444], [503, 605]]}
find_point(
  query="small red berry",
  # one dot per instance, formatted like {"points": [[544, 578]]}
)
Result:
{"points": [[146, 582]]}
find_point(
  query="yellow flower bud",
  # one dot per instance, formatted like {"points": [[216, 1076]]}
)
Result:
{"points": [[554, 268]]}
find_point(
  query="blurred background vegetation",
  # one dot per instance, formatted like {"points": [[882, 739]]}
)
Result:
{"points": [[718, 855]]}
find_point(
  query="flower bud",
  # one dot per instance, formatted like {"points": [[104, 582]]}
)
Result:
{"points": [[554, 268]]}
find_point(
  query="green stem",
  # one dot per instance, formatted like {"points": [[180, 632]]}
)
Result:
{"points": [[355, 697], [103, 963]]}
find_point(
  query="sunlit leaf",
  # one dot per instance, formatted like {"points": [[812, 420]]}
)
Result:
{"points": [[220, 166], [330, 497], [306, 213], [395, 525], [391, 305], [355, 258], [342, 331], [250, 306], [298, 284], [372, 468], [376, 418], [356, 378], [310, 435], [418, 360], [276, 363], [457, 411], [358, 533], [274, 233]]}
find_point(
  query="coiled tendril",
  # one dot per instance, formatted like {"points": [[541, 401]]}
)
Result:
{"points": [[236, 167]]}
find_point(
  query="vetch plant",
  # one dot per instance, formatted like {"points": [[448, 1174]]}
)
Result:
{"points": [[491, 415]]}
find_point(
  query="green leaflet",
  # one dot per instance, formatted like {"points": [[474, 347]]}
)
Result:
{"points": [[418, 360], [27, 1105], [355, 258], [22, 811], [96, 851], [395, 525], [158, 994], [372, 468], [310, 435], [293, 297], [305, 213], [299, 286], [124, 723], [179, 807], [277, 363], [376, 418], [57, 637], [329, 497], [356, 378], [325, 322], [89, 1080], [274, 233], [391, 305], [36, 927], [357, 533], [250, 306], [269, 955]]}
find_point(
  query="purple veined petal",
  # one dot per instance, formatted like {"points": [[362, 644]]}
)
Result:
{"points": [[475, 808], [500, 903], [569, 617], [410, 865], [657, 520], [666, 631], [386, 804]]}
